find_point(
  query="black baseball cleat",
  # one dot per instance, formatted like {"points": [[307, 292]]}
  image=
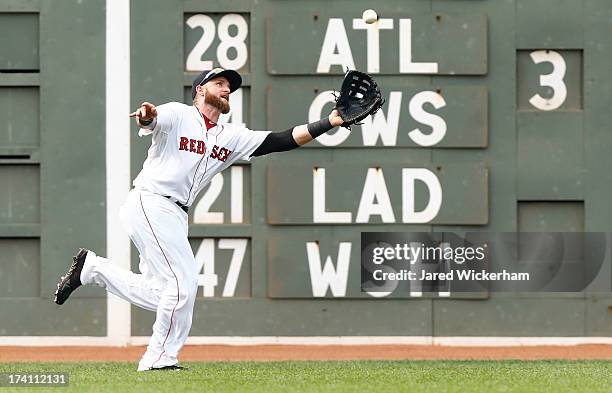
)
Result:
{"points": [[72, 279], [174, 367]]}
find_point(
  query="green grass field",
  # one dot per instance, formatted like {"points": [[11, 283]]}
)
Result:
{"points": [[345, 376]]}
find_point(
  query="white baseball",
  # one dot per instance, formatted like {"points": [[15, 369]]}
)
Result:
{"points": [[369, 16]]}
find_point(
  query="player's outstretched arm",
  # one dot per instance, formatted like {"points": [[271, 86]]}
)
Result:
{"points": [[305, 133], [297, 136], [146, 116]]}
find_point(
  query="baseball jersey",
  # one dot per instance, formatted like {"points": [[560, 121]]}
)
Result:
{"points": [[185, 155]]}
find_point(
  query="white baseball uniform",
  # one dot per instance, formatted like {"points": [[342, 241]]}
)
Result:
{"points": [[186, 152]]}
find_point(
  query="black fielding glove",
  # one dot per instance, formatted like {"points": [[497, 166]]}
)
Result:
{"points": [[359, 97]]}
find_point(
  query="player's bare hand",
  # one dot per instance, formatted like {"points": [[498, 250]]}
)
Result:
{"points": [[335, 119], [146, 111]]}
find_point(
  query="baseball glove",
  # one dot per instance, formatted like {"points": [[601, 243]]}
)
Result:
{"points": [[359, 97]]}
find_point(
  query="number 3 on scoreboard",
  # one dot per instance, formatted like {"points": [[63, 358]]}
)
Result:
{"points": [[237, 41], [553, 80]]}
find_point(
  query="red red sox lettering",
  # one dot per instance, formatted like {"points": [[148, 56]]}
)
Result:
{"points": [[199, 147]]}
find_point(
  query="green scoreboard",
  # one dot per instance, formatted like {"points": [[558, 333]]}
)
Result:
{"points": [[496, 119]]}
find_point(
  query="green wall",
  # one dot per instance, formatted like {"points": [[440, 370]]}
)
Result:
{"points": [[503, 165], [52, 161]]}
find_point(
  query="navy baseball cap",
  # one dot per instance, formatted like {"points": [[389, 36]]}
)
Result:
{"points": [[234, 78]]}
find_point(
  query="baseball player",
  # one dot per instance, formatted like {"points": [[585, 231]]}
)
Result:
{"points": [[188, 148]]}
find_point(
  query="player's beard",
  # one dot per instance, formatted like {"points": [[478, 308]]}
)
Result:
{"points": [[217, 102]]}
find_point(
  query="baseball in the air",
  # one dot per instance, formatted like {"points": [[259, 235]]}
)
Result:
{"points": [[369, 16]]}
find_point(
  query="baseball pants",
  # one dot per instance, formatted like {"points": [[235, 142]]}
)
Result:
{"points": [[168, 280]]}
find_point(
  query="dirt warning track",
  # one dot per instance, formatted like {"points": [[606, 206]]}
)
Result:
{"points": [[309, 352]]}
